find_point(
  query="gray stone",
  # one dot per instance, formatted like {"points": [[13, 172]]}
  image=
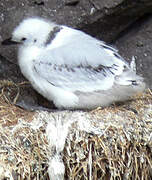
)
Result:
{"points": [[137, 41]]}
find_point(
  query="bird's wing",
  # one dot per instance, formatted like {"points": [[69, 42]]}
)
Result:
{"points": [[76, 47], [75, 78], [83, 64]]}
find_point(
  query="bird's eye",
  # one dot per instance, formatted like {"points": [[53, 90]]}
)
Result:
{"points": [[23, 39], [35, 40]]}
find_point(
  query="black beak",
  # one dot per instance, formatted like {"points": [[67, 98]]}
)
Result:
{"points": [[9, 42]]}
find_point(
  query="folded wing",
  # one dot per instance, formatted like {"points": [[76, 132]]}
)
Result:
{"points": [[80, 64]]}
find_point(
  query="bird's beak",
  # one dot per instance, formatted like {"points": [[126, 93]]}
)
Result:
{"points": [[9, 41]]}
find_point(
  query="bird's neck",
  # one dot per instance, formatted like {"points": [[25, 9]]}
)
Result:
{"points": [[28, 53]]}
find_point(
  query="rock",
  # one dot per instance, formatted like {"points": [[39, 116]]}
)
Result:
{"points": [[71, 2], [137, 42]]}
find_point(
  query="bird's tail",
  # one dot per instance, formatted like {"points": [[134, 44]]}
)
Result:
{"points": [[130, 78], [133, 64]]}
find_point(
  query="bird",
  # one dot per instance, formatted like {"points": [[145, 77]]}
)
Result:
{"points": [[72, 68]]}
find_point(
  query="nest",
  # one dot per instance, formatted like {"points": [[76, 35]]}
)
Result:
{"points": [[110, 143], [119, 146]]}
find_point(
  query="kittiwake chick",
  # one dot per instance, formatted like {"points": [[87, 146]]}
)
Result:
{"points": [[71, 68]]}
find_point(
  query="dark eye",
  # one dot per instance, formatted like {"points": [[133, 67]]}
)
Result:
{"points": [[23, 39], [35, 40]]}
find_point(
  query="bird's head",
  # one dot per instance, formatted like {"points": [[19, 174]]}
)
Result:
{"points": [[31, 31]]}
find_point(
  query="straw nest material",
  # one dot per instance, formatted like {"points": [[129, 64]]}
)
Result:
{"points": [[109, 143]]}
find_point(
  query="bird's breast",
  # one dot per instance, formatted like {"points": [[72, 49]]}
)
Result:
{"points": [[26, 56], [28, 53]]}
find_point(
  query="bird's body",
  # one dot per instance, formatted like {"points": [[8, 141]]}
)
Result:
{"points": [[71, 68]]}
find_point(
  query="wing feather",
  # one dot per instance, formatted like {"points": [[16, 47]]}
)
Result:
{"points": [[81, 63], [78, 78], [77, 47]]}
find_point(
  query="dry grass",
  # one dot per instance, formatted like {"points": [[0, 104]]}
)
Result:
{"points": [[121, 150], [23, 150], [10, 114], [116, 145]]}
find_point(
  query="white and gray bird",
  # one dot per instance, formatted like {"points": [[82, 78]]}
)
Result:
{"points": [[71, 68]]}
